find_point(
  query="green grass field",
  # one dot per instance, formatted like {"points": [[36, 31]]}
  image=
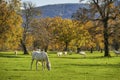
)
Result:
{"points": [[70, 67]]}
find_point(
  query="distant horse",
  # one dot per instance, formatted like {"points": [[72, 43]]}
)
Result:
{"points": [[59, 53], [82, 53], [117, 52]]}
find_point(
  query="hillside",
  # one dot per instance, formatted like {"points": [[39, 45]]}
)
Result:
{"points": [[63, 10]]}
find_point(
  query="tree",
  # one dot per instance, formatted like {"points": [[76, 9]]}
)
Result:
{"points": [[85, 29], [114, 34], [15, 5], [29, 13], [41, 29], [105, 10], [64, 31], [10, 27], [83, 39]]}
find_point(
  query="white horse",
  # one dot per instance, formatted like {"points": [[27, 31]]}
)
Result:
{"points": [[42, 57], [117, 52], [82, 53], [65, 53], [59, 53]]}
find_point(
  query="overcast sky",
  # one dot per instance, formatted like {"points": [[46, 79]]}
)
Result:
{"points": [[49, 2]]}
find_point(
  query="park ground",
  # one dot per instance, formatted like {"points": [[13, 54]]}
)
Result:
{"points": [[69, 67]]}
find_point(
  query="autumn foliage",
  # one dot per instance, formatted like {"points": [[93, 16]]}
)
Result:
{"points": [[10, 27]]}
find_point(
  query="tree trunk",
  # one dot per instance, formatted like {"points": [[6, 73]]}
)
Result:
{"points": [[106, 37], [91, 50], [101, 51], [66, 46], [78, 49], [24, 47], [46, 48]]}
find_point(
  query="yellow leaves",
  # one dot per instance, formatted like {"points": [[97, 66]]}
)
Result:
{"points": [[111, 5], [83, 35], [112, 22], [65, 30], [99, 40], [98, 29], [89, 24], [29, 40], [10, 28]]}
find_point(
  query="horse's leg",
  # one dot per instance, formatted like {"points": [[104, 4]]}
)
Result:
{"points": [[32, 63], [43, 65], [36, 64]]}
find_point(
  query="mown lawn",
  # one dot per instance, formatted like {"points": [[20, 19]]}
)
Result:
{"points": [[70, 67]]}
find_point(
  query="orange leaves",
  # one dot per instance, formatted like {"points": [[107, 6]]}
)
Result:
{"points": [[10, 27], [89, 24], [111, 5], [29, 40]]}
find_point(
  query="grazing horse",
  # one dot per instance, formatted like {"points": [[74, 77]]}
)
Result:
{"points": [[82, 53], [42, 57], [117, 52]]}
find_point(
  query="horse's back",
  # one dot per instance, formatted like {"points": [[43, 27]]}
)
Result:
{"points": [[39, 55]]}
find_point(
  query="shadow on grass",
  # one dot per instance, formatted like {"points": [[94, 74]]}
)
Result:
{"points": [[96, 65], [22, 70], [18, 70], [5, 55], [9, 56], [90, 57]]}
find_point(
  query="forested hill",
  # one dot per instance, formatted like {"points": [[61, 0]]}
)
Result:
{"points": [[63, 10]]}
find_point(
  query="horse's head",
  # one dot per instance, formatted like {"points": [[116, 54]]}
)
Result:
{"points": [[48, 66]]}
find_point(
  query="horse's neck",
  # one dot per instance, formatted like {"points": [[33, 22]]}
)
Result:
{"points": [[47, 60]]}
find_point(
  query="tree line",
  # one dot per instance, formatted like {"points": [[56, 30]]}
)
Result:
{"points": [[96, 28]]}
